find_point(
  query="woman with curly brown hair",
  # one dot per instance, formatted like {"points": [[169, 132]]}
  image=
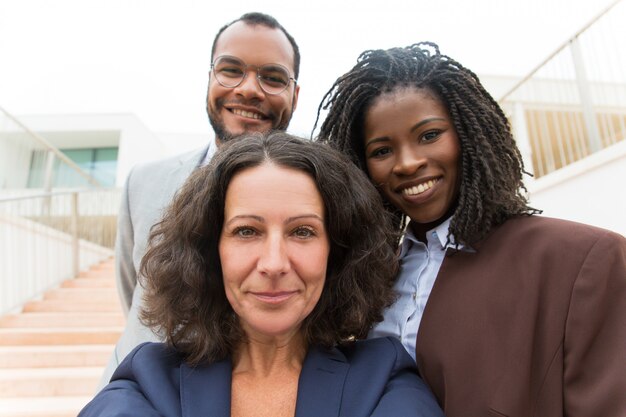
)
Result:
{"points": [[506, 313], [265, 271]]}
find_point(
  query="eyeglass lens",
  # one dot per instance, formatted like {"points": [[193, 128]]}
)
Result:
{"points": [[230, 72]]}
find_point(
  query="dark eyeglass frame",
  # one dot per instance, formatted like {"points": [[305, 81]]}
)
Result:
{"points": [[258, 69]]}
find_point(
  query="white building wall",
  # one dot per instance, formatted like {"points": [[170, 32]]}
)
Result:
{"points": [[14, 158], [135, 142], [589, 191]]}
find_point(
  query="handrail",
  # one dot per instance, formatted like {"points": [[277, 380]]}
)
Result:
{"points": [[557, 51], [53, 149], [47, 237], [572, 104], [44, 194]]}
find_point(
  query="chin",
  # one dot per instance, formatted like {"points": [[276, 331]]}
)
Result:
{"points": [[274, 329]]}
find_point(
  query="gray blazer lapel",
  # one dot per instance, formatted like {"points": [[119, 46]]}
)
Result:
{"points": [[185, 166], [321, 383], [205, 391]]}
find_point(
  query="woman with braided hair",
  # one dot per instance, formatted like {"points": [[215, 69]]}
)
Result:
{"points": [[507, 313]]}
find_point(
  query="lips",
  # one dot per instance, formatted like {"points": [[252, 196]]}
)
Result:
{"points": [[276, 297]]}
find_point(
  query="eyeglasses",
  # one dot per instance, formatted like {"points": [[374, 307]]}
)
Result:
{"points": [[230, 73]]}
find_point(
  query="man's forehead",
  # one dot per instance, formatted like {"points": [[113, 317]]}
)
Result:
{"points": [[255, 44]]}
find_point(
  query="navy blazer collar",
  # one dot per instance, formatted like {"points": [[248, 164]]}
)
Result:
{"points": [[206, 390]]}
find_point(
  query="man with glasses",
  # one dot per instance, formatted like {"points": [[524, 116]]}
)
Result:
{"points": [[252, 88]]}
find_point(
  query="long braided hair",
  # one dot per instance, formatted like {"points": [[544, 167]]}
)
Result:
{"points": [[491, 168]]}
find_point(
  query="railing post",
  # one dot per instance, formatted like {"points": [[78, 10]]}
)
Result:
{"points": [[584, 90], [522, 138], [47, 182], [47, 179], [75, 239]]}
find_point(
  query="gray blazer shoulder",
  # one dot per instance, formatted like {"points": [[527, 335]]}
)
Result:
{"points": [[148, 191]]}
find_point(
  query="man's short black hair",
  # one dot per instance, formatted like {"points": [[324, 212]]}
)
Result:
{"points": [[254, 19]]}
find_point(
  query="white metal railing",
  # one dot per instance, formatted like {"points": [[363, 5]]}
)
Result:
{"points": [[49, 237], [574, 103]]}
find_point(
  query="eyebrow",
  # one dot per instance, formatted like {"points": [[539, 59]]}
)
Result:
{"points": [[273, 67], [413, 128], [229, 58], [262, 220]]}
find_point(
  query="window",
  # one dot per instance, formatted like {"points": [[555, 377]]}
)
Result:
{"points": [[100, 163]]}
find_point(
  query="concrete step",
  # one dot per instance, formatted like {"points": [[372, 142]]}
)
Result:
{"points": [[95, 295], [60, 336], [97, 273], [44, 382], [53, 354], [88, 283], [63, 319], [108, 264], [42, 406], [75, 306], [50, 356]]}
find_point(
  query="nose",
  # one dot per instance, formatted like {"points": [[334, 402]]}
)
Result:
{"points": [[274, 260], [249, 87], [408, 161]]}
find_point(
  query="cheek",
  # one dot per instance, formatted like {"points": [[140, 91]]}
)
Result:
{"points": [[230, 296], [281, 106], [319, 271], [215, 93], [311, 264], [228, 278], [379, 176], [232, 266], [374, 172]]}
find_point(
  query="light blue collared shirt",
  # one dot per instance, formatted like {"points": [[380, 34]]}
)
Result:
{"points": [[209, 153], [419, 266]]}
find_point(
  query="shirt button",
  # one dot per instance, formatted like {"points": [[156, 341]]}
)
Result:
{"points": [[415, 296]]}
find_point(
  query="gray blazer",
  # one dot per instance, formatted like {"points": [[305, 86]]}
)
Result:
{"points": [[148, 191]]}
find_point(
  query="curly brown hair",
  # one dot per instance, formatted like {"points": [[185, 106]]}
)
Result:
{"points": [[491, 168], [185, 299]]}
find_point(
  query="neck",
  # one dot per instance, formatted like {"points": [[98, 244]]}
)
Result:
{"points": [[267, 357], [420, 229]]}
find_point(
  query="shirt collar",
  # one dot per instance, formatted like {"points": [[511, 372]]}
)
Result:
{"points": [[210, 151], [439, 234]]}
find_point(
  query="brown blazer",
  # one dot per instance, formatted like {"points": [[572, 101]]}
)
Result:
{"points": [[531, 324]]}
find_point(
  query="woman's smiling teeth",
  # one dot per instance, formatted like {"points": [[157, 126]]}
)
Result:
{"points": [[245, 113], [419, 189]]}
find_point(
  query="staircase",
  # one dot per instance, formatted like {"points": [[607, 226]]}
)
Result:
{"points": [[53, 353]]}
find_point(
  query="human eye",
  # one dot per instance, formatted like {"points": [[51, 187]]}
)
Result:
{"points": [[245, 232], [274, 76], [304, 232], [230, 71], [431, 135], [380, 152]]}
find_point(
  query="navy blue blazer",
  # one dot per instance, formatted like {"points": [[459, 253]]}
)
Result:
{"points": [[374, 377]]}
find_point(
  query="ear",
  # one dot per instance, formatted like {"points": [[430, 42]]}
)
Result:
{"points": [[294, 103]]}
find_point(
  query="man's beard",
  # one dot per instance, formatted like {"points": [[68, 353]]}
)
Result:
{"points": [[220, 130], [225, 135]]}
